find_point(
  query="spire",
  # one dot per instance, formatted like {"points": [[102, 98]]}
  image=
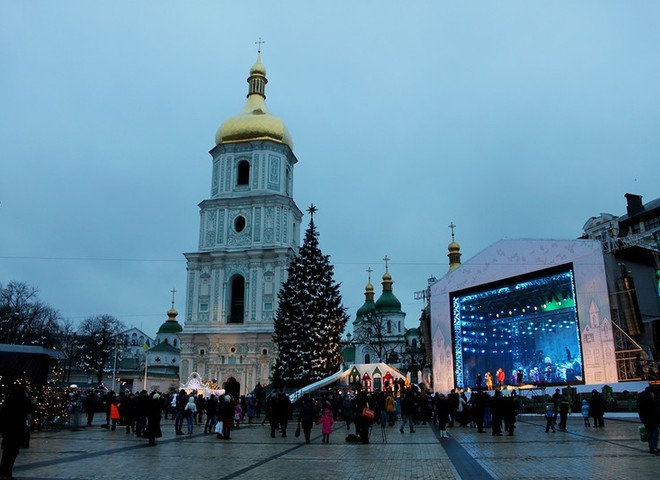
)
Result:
{"points": [[172, 313], [387, 278], [387, 303], [369, 306], [171, 325], [254, 122], [454, 251], [369, 288]]}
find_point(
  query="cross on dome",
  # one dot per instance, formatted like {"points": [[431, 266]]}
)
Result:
{"points": [[259, 43], [386, 259], [173, 292], [452, 226]]}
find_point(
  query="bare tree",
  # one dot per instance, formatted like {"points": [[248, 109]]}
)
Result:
{"points": [[377, 334], [98, 340], [68, 343], [414, 357], [24, 319]]}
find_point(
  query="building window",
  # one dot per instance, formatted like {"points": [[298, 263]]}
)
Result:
{"points": [[288, 181], [367, 358], [651, 224], [174, 343], [201, 351], [264, 351], [237, 305], [239, 224], [203, 307], [243, 174]]}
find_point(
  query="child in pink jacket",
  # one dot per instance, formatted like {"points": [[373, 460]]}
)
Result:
{"points": [[326, 422]]}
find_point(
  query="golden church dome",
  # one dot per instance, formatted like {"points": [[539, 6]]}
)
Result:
{"points": [[254, 122]]}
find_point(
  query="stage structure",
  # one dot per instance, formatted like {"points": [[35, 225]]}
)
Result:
{"points": [[537, 309]]}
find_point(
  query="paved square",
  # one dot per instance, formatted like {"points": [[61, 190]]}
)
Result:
{"points": [[99, 454]]}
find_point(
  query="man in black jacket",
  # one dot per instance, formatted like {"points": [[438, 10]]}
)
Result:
{"points": [[648, 408], [13, 419]]}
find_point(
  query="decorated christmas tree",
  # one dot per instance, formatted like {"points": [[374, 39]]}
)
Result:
{"points": [[310, 317]]}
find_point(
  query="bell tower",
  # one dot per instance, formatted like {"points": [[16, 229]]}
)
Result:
{"points": [[249, 232]]}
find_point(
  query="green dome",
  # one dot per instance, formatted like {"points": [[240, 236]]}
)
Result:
{"points": [[366, 309], [369, 305], [388, 303], [171, 325]]}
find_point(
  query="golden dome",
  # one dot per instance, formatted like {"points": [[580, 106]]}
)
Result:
{"points": [[254, 122], [454, 247], [369, 288]]}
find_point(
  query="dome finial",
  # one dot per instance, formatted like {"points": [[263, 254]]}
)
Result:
{"points": [[254, 122], [454, 251], [259, 43], [173, 292], [452, 226], [386, 259]]}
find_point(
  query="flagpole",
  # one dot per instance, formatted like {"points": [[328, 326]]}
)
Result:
{"points": [[146, 355], [114, 369]]}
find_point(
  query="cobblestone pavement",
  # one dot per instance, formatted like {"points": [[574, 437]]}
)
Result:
{"points": [[99, 454]]}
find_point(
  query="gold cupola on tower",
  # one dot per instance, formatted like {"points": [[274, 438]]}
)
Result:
{"points": [[454, 251], [254, 122]]}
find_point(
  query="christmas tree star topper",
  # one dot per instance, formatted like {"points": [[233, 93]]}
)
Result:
{"points": [[312, 210]]}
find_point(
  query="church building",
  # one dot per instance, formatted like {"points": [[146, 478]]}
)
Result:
{"points": [[379, 326], [249, 232]]}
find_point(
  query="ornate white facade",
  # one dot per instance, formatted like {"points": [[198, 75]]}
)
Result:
{"points": [[249, 231]]}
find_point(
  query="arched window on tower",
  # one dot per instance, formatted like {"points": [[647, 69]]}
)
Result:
{"points": [[243, 174], [287, 184], [237, 305]]}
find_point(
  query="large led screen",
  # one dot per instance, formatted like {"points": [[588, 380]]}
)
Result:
{"points": [[526, 326]]}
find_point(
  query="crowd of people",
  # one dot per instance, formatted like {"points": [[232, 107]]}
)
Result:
{"points": [[140, 414]]}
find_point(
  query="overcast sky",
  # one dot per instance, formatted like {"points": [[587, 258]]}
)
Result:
{"points": [[510, 119]]}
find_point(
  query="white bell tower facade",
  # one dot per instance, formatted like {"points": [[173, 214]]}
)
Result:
{"points": [[249, 232]]}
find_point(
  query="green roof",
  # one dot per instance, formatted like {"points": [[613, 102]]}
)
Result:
{"points": [[164, 347], [170, 326], [368, 307], [388, 303]]}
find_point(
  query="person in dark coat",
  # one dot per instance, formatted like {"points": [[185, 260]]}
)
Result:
{"points": [[181, 401], [496, 412], [597, 409], [509, 413], [306, 417], [285, 411], [154, 408], [442, 409], [211, 414], [89, 405], [13, 425], [479, 403], [648, 408], [227, 411], [362, 424]]}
